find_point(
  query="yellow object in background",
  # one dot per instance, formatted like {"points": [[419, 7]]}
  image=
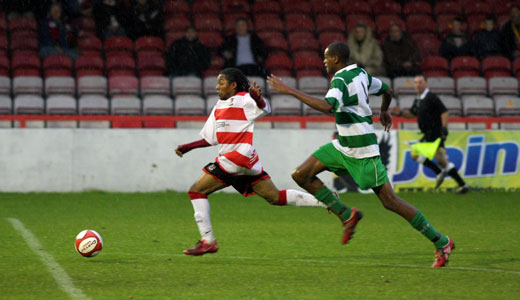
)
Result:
{"points": [[427, 149]]}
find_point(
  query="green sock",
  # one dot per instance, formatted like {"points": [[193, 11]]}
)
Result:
{"points": [[336, 206], [420, 223]]}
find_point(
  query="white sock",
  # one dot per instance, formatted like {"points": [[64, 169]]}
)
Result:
{"points": [[421, 159], [298, 198], [449, 167], [201, 208]]}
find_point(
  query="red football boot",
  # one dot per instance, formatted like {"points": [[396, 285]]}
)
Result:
{"points": [[442, 255], [350, 225], [202, 248]]}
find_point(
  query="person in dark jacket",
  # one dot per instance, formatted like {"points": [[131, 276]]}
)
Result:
{"points": [[432, 117], [457, 43], [510, 35], [109, 18], [487, 41], [146, 19], [56, 35], [187, 56], [244, 50], [400, 53]]}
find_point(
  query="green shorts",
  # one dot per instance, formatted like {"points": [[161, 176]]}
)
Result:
{"points": [[367, 172]]}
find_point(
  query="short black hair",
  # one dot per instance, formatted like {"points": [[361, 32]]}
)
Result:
{"points": [[339, 49], [235, 75], [422, 75]]}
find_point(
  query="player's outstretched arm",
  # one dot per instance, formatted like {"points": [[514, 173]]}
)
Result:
{"points": [[181, 149], [256, 94], [384, 116], [277, 84]]}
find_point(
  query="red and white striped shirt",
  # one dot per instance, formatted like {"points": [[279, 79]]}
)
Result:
{"points": [[230, 126]]}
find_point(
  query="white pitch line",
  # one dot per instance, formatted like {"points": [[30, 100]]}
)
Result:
{"points": [[62, 278], [341, 262]]}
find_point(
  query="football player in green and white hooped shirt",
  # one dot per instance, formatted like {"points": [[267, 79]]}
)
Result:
{"points": [[356, 150]]}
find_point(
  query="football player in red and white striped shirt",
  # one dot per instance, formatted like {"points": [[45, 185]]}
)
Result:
{"points": [[230, 128]]}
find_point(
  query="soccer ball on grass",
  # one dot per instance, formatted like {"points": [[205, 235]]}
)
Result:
{"points": [[89, 243]]}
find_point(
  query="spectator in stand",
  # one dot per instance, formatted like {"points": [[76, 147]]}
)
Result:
{"points": [[145, 19], [365, 51], [457, 43], [400, 53], [244, 50], [20, 8], [510, 35], [187, 56], [55, 34], [108, 15], [487, 41]]}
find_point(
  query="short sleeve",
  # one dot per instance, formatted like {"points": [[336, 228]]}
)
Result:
{"points": [[335, 94], [208, 132], [377, 87], [251, 109]]}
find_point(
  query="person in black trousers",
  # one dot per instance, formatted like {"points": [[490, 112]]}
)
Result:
{"points": [[432, 117]]}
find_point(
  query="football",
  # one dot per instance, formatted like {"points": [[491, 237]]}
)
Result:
{"points": [[89, 243]]}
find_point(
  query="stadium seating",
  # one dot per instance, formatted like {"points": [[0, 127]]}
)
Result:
{"points": [[93, 105], [507, 105], [353, 20], [303, 41], [377, 101], [6, 105], [183, 85], [471, 86], [92, 85], [189, 105], [4, 65], [27, 85], [453, 104], [442, 85], [464, 66], [269, 22], [496, 67], [120, 66], [448, 8], [266, 7], [285, 105], [314, 85], [421, 24], [60, 86], [89, 66], [5, 85], [210, 103], [274, 41], [126, 85], [329, 23], [503, 86], [125, 105], [57, 65], [157, 105], [427, 43], [90, 45], [150, 44], [260, 81], [417, 8], [307, 60], [404, 86], [356, 7], [290, 81], [279, 61], [61, 105], [203, 6], [299, 22], [178, 23], [29, 104], [386, 8], [296, 7], [176, 7], [435, 66], [208, 22], [475, 105], [150, 65], [155, 85]]}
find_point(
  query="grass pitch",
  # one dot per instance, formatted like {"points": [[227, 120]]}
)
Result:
{"points": [[266, 252]]}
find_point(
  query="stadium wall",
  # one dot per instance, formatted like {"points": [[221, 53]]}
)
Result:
{"points": [[62, 160]]}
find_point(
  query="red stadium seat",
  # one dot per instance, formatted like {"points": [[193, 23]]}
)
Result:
{"points": [[208, 22], [3, 24], [177, 23], [26, 43], [25, 64], [464, 66], [299, 22], [353, 20], [90, 44], [119, 43], [268, 22], [4, 65], [326, 38], [89, 65], [274, 41], [307, 60], [447, 8], [303, 41], [120, 65], [172, 7], [150, 65], [501, 7], [266, 7], [435, 65], [385, 21], [477, 8], [88, 25], [329, 23], [149, 43], [330, 7], [211, 39], [308, 73], [417, 8], [421, 24], [289, 7], [444, 24], [496, 66], [205, 6], [385, 7], [57, 65], [235, 6], [172, 36], [279, 61], [356, 7], [427, 43], [3, 43], [516, 66], [23, 24]]}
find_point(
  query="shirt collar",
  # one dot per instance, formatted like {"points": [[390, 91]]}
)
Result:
{"points": [[426, 91], [347, 68]]}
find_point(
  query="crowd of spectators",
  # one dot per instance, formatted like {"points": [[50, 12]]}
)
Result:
{"points": [[395, 55]]}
